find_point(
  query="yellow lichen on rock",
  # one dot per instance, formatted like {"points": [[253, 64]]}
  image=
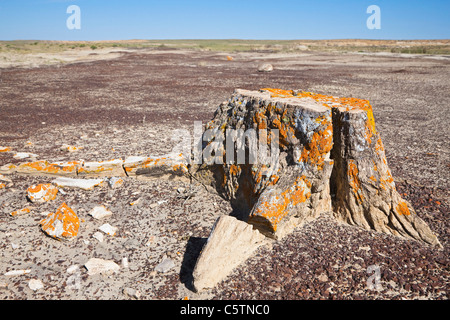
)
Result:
{"points": [[173, 163], [272, 207], [70, 148], [42, 193], [353, 179], [20, 212], [107, 168], [61, 225], [320, 145], [327, 101], [402, 209], [44, 167]]}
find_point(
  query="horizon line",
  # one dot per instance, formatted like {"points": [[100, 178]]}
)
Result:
{"points": [[235, 39]]}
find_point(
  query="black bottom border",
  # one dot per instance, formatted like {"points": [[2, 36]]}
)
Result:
{"points": [[224, 309]]}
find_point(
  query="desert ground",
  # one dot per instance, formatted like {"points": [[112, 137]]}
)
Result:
{"points": [[126, 99]]}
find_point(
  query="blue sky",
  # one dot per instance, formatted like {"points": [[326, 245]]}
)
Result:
{"points": [[226, 19]]}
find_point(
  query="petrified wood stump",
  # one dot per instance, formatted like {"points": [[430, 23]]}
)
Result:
{"points": [[331, 159]]}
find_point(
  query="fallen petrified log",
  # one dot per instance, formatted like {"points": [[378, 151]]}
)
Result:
{"points": [[331, 159], [172, 164]]}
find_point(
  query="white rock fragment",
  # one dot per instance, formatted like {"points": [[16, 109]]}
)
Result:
{"points": [[100, 266], [17, 272], [41, 193], [115, 182], [73, 268], [230, 243], [8, 168], [69, 148], [125, 263], [265, 67], [21, 212], [5, 179], [132, 292], [100, 212], [35, 284], [24, 155], [165, 265], [150, 241], [85, 184], [99, 236], [136, 202], [108, 229]]}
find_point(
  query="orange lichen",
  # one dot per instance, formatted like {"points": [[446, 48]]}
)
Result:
{"points": [[171, 163], [370, 127], [389, 182], [101, 166], [353, 180], [297, 195], [321, 143], [66, 167], [8, 167], [274, 209], [257, 175], [2, 185], [260, 119], [51, 168], [72, 148], [323, 120], [42, 192], [37, 165], [259, 183], [371, 121], [280, 92], [180, 168], [373, 178], [379, 146], [402, 209], [286, 131], [234, 170], [5, 149], [20, 212], [350, 103], [63, 224], [273, 180]]}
